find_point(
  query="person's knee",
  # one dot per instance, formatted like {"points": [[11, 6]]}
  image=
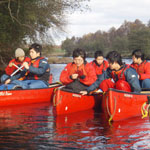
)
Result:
{"points": [[4, 77], [146, 83], [22, 84], [37, 84]]}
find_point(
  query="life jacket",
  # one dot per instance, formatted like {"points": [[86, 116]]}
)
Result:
{"points": [[10, 70], [99, 68], [32, 76], [135, 66], [119, 81], [140, 69], [77, 70], [119, 75]]}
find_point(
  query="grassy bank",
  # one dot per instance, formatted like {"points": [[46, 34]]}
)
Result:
{"points": [[56, 55]]}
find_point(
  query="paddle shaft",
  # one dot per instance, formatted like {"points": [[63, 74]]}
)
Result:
{"points": [[19, 68]]}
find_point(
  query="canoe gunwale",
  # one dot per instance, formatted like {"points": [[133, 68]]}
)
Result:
{"points": [[134, 93], [50, 86]]}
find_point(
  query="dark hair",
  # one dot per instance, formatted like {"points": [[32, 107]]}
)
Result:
{"points": [[138, 54], [98, 53], [36, 47], [114, 56], [79, 52]]}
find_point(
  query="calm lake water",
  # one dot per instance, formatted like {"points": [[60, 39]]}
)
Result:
{"points": [[35, 127]]}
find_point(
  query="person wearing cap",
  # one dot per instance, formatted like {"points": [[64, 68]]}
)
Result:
{"points": [[36, 72], [13, 65], [18, 60]]}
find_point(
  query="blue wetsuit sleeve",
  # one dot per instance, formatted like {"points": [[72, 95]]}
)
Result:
{"points": [[106, 74], [132, 79]]}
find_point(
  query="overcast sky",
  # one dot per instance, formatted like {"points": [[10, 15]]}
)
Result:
{"points": [[105, 14]]}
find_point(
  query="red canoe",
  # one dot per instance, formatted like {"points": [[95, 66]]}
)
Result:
{"points": [[66, 102], [119, 105], [28, 96]]}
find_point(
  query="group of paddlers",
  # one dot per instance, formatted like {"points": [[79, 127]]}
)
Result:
{"points": [[83, 77], [78, 76]]}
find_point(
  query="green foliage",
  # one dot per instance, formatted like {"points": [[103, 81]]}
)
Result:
{"points": [[140, 39], [27, 21], [129, 36]]}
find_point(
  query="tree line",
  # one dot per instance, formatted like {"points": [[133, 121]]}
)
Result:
{"points": [[26, 21], [128, 37]]}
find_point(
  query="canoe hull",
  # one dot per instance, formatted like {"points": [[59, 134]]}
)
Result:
{"points": [[67, 102], [29, 96], [118, 105]]}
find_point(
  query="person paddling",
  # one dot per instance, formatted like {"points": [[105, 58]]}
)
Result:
{"points": [[118, 75], [14, 64]]}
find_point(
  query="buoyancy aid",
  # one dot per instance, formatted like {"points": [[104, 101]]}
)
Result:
{"points": [[32, 76], [10, 70], [140, 69], [118, 82], [78, 70], [135, 66], [99, 68], [119, 74]]}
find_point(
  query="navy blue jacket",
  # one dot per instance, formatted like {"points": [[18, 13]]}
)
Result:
{"points": [[130, 75]]}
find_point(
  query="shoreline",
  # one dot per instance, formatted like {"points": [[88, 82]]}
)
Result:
{"points": [[59, 60]]}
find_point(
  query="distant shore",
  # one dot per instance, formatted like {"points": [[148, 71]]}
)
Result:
{"points": [[59, 60]]}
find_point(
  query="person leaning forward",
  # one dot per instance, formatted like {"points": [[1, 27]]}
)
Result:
{"points": [[79, 74], [117, 75], [36, 73]]}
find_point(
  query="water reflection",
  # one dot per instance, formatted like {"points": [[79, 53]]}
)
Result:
{"points": [[36, 127], [133, 133], [19, 125]]}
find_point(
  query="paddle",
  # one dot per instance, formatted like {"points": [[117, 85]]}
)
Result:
{"points": [[19, 68]]}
